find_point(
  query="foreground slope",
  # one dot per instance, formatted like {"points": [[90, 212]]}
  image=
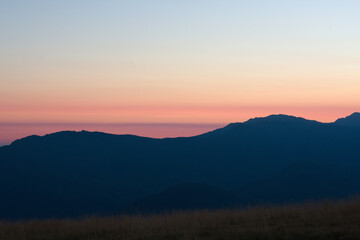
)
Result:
{"points": [[69, 174], [321, 221]]}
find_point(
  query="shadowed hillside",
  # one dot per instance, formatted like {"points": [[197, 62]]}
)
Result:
{"points": [[186, 197], [69, 174], [304, 181]]}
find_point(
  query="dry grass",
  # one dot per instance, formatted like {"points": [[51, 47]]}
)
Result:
{"points": [[325, 220]]}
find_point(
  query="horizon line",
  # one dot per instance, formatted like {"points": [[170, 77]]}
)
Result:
{"points": [[164, 123], [164, 130]]}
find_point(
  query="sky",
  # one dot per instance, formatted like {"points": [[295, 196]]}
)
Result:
{"points": [[146, 67]]}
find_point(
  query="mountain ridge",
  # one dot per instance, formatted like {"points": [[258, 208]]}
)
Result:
{"points": [[352, 120], [70, 174], [282, 118]]}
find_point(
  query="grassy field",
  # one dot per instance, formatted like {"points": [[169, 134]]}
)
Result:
{"points": [[324, 220]]}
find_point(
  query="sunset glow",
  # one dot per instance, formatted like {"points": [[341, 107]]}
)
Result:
{"points": [[178, 68]]}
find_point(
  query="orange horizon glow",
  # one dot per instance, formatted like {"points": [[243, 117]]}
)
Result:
{"points": [[165, 114], [12, 130]]}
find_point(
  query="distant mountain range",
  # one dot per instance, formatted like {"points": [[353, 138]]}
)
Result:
{"points": [[272, 160]]}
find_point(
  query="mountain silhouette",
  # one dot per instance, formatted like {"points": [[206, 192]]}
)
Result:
{"points": [[69, 174], [352, 120]]}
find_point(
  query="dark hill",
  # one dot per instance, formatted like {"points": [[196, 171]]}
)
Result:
{"points": [[190, 196], [352, 120], [78, 173], [304, 181]]}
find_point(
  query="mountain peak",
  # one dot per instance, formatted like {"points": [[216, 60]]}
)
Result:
{"points": [[351, 120], [272, 120], [277, 118]]}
